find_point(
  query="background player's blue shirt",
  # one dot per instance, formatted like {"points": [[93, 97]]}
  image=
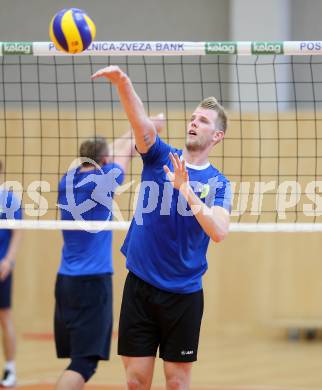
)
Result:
{"points": [[10, 208], [165, 247], [88, 196]]}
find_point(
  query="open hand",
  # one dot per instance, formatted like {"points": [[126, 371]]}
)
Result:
{"points": [[112, 73], [180, 177]]}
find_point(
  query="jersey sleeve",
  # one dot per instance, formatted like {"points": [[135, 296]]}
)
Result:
{"points": [[157, 154], [18, 214], [13, 207], [219, 193], [116, 171], [119, 173]]}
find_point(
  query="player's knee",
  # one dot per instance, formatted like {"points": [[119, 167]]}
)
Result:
{"points": [[5, 317], [85, 366], [176, 383], [135, 383]]}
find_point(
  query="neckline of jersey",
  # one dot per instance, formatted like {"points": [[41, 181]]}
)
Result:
{"points": [[196, 167]]}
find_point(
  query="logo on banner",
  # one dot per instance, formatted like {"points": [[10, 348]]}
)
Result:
{"points": [[221, 48], [17, 48], [267, 48]]}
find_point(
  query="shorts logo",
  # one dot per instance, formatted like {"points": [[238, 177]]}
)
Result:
{"points": [[189, 352]]}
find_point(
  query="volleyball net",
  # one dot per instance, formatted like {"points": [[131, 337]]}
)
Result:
{"points": [[271, 153]]}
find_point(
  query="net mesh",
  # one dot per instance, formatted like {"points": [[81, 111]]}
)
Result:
{"points": [[271, 152]]}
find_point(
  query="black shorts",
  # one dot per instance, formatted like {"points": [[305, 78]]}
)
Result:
{"points": [[152, 318], [5, 292], [83, 316]]}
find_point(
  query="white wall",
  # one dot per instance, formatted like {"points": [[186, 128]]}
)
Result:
{"points": [[121, 20]]}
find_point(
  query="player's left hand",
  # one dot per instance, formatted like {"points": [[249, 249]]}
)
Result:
{"points": [[5, 269], [180, 177]]}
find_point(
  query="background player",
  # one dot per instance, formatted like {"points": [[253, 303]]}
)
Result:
{"points": [[166, 252], [9, 244], [83, 314]]}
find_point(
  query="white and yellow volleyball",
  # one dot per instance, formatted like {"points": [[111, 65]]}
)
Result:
{"points": [[72, 30]]}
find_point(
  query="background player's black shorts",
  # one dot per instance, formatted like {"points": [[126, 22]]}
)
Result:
{"points": [[83, 316], [152, 318], [5, 292]]}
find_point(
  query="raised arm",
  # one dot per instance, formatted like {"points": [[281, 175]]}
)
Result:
{"points": [[143, 127], [123, 148]]}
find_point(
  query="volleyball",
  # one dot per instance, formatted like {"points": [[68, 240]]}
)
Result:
{"points": [[72, 30]]}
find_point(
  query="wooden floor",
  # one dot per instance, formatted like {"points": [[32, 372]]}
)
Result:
{"points": [[239, 349], [226, 362], [114, 387]]}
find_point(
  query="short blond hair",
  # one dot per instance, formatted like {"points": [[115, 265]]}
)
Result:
{"points": [[211, 103]]}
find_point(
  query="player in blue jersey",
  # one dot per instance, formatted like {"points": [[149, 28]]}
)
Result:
{"points": [[184, 201], [10, 208], [83, 312]]}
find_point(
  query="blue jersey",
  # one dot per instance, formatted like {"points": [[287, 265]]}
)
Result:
{"points": [[10, 208], [88, 196], [165, 245]]}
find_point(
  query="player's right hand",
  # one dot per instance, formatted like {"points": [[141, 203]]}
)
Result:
{"points": [[112, 73]]}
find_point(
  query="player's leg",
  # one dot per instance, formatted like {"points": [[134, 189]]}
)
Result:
{"points": [[79, 371], [139, 372], [177, 375], [139, 335], [70, 380], [83, 326], [180, 316], [8, 333]]}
